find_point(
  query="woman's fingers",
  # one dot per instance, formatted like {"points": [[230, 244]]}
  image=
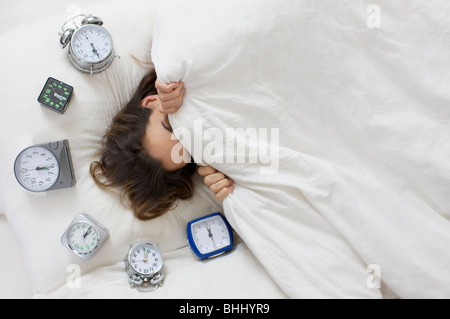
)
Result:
{"points": [[170, 96], [220, 196], [166, 87], [218, 182], [218, 186], [214, 178], [206, 170], [171, 106]]}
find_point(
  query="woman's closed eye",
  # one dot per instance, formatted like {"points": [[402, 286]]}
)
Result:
{"points": [[168, 128]]}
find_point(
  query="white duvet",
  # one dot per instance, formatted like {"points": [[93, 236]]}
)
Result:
{"points": [[351, 183]]}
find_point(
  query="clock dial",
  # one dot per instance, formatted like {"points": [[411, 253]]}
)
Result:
{"points": [[145, 259], [56, 95], [91, 44], [82, 238], [210, 234], [36, 169]]}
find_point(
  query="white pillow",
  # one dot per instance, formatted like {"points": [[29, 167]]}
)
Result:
{"points": [[39, 220]]}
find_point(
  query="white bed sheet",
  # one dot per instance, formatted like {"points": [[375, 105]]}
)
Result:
{"points": [[12, 262], [237, 275]]}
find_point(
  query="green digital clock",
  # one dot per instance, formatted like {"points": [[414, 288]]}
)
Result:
{"points": [[55, 95]]}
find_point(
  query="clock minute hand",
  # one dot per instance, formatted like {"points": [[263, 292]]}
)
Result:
{"points": [[210, 235], [145, 255]]}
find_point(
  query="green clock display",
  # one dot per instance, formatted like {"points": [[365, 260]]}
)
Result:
{"points": [[56, 95]]}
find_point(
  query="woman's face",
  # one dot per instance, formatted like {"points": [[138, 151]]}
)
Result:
{"points": [[159, 140]]}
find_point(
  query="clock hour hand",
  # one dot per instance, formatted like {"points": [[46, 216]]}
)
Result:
{"points": [[209, 231], [45, 168], [94, 50], [87, 232], [61, 98]]}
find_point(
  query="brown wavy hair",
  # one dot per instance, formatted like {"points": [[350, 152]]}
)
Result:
{"points": [[126, 165]]}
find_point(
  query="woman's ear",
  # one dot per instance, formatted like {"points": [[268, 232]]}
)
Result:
{"points": [[150, 101]]}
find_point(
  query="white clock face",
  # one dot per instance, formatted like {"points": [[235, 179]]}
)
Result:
{"points": [[36, 169], [82, 238], [210, 234], [145, 259], [91, 44]]}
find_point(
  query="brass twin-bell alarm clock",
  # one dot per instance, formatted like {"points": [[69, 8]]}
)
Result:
{"points": [[91, 47]]}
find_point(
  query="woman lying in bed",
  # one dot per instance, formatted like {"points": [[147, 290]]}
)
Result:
{"points": [[136, 156]]}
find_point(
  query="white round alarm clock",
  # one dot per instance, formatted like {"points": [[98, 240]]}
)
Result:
{"points": [[143, 264], [91, 48]]}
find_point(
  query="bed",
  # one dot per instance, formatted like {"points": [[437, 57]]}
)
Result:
{"points": [[337, 115]]}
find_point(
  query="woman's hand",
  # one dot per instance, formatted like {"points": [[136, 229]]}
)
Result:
{"points": [[170, 96], [219, 183]]}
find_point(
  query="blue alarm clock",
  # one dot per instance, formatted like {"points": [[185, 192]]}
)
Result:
{"points": [[210, 236]]}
